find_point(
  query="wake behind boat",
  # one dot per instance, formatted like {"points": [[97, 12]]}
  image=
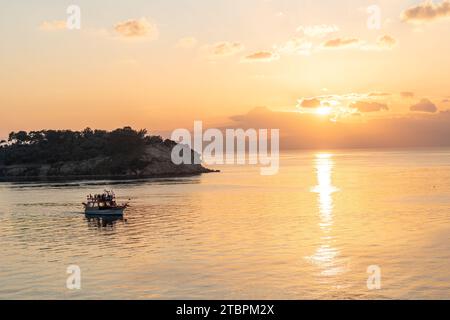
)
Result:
{"points": [[104, 205]]}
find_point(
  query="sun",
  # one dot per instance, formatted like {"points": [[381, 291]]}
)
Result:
{"points": [[323, 111]]}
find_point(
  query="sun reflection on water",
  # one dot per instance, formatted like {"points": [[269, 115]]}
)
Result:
{"points": [[324, 166], [325, 255]]}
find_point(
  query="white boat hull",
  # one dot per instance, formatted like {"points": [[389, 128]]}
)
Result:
{"points": [[104, 212]]}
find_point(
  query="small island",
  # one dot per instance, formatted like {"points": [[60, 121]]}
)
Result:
{"points": [[89, 154]]}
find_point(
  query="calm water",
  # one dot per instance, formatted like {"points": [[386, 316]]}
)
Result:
{"points": [[309, 232]]}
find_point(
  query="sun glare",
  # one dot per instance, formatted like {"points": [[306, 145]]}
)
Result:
{"points": [[323, 111]]}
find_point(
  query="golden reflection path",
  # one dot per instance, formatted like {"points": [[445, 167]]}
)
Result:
{"points": [[325, 255]]}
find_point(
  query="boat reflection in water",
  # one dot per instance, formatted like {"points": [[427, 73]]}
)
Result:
{"points": [[103, 221]]}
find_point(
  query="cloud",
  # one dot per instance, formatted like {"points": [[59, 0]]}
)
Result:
{"points": [[340, 43], [310, 103], [53, 25], [308, 131], [386, 42], [224, 49], [407, 94], [136, 28], [336, 106], [303, 46], [426, 12], [318, 31], [187, 43], [424, 105], [365, 106], [446, 101], [295, 46], [379, 94], [262, 56]]}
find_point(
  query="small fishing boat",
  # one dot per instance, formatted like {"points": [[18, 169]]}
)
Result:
{"points": [[104, 205]]}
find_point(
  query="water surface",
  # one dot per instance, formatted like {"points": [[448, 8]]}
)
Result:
{"points": [[309, 232]]}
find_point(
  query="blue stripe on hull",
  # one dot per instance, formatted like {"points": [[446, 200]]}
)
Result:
{"points": [[118, 212]]}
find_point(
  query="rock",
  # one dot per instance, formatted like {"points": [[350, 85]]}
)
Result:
{"points": [[155, 162]]}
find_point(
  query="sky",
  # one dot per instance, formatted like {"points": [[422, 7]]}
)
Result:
{"points": [[161, 65]]}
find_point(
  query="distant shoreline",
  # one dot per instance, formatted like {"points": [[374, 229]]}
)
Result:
{"points": [[99, 177], [52, 155]]}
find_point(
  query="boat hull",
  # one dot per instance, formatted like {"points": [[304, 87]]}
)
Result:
{"points": [[104, 212]]}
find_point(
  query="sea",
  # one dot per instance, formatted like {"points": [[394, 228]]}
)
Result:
{"points": [[332, 224]]}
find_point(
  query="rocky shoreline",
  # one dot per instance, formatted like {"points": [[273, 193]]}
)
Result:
{"points": [[155, 163]]}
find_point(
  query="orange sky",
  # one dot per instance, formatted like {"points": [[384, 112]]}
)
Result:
{"points": [[164, 64]]}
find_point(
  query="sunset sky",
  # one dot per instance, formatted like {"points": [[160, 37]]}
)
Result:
{"points": [[163, 64]]}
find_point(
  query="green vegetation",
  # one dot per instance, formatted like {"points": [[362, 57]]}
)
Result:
{"points": [[122, 147]]}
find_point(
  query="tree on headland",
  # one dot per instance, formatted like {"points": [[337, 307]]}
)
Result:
{"points": [[123, 146], [18, 137]]}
